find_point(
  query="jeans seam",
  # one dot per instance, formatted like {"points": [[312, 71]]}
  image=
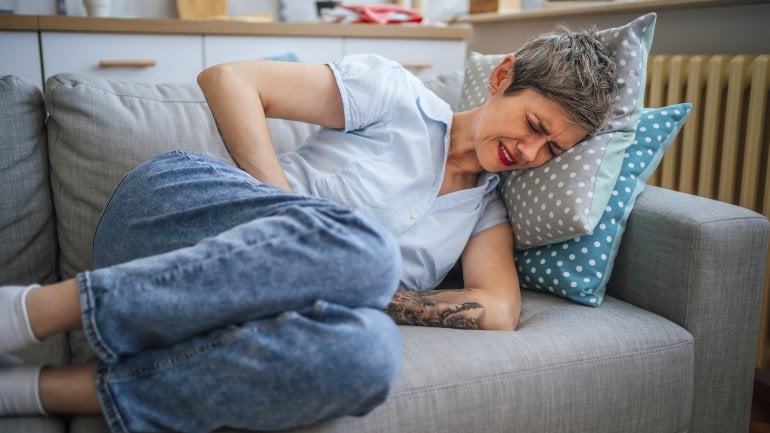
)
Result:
{"points": [[109, 405], [200, 349], [216, 170], [157, 277], [90, 328]]}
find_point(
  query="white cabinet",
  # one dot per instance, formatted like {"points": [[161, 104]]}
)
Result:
{"points": [[422, 57], [20, 56], [133, 57], [159, 50], [222, 49]]}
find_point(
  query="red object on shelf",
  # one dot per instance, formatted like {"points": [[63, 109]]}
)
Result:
{"points": [[385, 14]]}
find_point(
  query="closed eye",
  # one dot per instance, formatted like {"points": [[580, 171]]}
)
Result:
{"points": [[538, 130]]}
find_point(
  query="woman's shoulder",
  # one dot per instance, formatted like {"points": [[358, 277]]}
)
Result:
{"points": [[372, 87], [366, 62], [376, 71]]}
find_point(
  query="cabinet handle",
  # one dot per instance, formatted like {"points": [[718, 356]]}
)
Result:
{"points": [[417, 65], [141, 63]]}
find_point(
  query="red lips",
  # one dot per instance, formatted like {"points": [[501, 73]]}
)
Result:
{"points": [[505, 156]]}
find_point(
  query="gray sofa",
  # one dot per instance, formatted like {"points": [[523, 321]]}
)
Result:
{"points": [[670, 350]]}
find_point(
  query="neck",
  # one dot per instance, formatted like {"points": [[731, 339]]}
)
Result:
{"points": [[462, 151], [462, 164]]}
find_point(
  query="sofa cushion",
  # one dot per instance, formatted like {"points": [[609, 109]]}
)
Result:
{"points": [[101, 129], [579, 268], [566, 369], [566, 197], [27, 228]]}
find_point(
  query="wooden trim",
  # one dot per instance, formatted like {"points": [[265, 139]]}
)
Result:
{"points": [[127, 63], [18, 22], [235, 27], [616, 6]]}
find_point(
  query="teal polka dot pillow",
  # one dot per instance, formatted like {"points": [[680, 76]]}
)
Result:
{"points": [[578, 269], [565, 198]]}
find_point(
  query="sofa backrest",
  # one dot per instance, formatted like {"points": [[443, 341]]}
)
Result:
{"points": [[99, 129], [27, 228]]}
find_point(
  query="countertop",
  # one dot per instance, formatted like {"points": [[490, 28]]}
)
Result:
{"points": [[227, 27]]}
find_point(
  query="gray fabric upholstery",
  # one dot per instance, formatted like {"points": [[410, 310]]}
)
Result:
{"points": [[32, 425], [28, 245], [694, 268], [27, 229], [587, 369], [99, 130], [568, 368]]}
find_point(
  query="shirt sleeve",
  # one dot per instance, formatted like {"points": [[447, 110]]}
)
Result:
{"points": [[369, 85], [493, 214]]}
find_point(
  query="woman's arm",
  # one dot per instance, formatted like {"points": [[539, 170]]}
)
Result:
{"points": [[242, 95], [491, 299]]}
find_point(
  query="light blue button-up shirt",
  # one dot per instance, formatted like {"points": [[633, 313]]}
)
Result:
{"points": [[389, 163]]}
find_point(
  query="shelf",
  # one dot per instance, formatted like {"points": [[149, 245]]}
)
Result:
{"points": [[228, 27]]}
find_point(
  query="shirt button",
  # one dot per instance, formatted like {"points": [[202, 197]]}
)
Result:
{"points": [[413, 215]]}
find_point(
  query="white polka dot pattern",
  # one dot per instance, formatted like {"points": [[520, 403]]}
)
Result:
{"points": [[566, 197], [579, 268]]}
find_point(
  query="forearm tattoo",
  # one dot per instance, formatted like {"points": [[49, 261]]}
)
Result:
{"points": [[435, 308]]}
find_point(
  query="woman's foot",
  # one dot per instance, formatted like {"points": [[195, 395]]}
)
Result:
{"points": [[15, 329], [19, 395]]}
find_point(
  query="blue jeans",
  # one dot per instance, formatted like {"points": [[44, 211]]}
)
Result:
{"points": [[217, 300]]}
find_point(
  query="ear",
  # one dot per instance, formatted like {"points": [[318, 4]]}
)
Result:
{"points": [[502, 75]]}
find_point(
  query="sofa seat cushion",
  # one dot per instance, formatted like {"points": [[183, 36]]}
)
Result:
{"points": [[569, 368], [38, 424]]}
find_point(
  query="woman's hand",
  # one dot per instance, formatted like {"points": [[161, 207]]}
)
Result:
{"points": [[491, 299], [242, 95]]}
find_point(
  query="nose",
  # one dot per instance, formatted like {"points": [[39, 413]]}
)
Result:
{"points": [[530, 147]]}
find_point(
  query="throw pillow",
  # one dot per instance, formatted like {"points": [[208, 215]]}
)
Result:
{"points": [[579, 269], [27, 226], [565, 197]]}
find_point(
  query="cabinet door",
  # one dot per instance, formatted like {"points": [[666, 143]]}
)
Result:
{"points": [[146, 58], [423, 57], [20, 56], [222, 49]]}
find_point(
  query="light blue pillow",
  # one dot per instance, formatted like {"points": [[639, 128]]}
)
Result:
{"points": [[578, 269]]}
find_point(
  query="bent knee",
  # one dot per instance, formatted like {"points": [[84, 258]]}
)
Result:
{"points": [[368, 259], [370, 371]]}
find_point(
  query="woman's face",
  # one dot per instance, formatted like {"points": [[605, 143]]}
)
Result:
{"points": [[524, 130]]}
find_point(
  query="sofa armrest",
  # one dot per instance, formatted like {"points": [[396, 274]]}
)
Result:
{"points": [[701, 264]]}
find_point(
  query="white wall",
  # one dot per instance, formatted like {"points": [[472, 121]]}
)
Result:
{"points": [[740, 29]]}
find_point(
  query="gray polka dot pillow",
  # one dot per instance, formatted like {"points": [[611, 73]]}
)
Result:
{"points": [[566, 197]]}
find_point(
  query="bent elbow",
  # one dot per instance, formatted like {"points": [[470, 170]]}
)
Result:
{"points": [[207, 77], [502, 317]]}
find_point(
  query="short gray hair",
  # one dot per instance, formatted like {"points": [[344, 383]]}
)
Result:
{"points": [[573, 69]]}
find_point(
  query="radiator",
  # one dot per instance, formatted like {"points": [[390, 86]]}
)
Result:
{"points": [[722, 151]]}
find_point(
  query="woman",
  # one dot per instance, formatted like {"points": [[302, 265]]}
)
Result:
{"points": [[254, 298]]}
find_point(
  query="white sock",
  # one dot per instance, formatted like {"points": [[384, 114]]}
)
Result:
{"points": [[15, 330], [19, 392]]}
